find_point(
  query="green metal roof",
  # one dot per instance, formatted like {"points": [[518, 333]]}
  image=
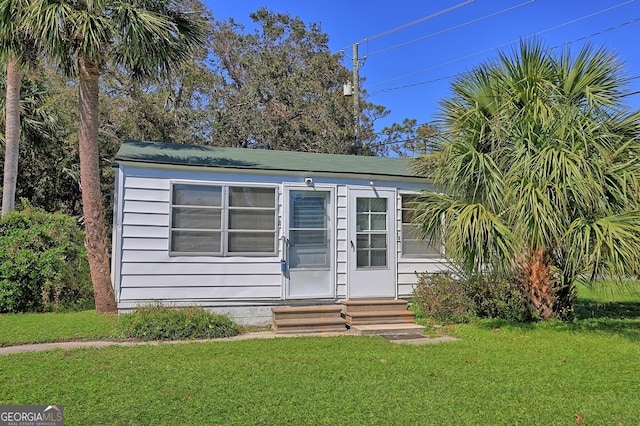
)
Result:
{"points": [[260, 159]]}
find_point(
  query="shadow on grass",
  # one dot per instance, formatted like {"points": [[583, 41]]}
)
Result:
{"points": [[589, 309], [621, 318]]}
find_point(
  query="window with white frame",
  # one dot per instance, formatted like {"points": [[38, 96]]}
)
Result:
{"points": [[223, 220], [412, 245]]}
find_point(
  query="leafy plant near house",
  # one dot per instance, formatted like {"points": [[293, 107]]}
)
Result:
{"points": [[443, 298], [448, 299], [537, 176], [157, 322], [43, 263]]}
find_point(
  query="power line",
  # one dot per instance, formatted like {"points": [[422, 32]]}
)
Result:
{"points": [[376, 52], [617, 27], [502, 44], [406, 86], [412, 23]]}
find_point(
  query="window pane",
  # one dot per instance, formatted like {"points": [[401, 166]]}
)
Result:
{"points": [[252, 197], [308, 258], [251, 242], [409, 232], [194, 218], [378, 258], [378, 221], [308, 238], [252, 219], [413, 246], [362, 241], [408, 215], [362, 204], [308, 210], [197, 195], [196, 242], [378, 204], [362, 259], [362, 222], [379, 241]]}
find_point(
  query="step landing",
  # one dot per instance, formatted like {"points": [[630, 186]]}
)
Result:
{"points": [[387, 329]]}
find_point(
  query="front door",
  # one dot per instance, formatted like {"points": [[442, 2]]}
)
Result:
{"points": [[371, 246], [310, 247]]}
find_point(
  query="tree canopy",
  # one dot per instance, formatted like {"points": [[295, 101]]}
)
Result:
{"points": [[281, 88]]}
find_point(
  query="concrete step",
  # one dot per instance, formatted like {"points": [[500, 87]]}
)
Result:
{"points": [[299, 312], [360, 305], [308, 319], [309, 325], [379, 317], [387, 329]]}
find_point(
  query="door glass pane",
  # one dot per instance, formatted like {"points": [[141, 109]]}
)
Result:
{"points": [[371, 235], [362, 220], [308, 230], [378, 258], [307, 210], [362, 241], [379, 241], [362, 259], [378, 221], [308, 238], [378, 204]]}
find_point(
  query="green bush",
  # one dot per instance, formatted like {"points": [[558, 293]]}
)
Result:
{"points": [[43, 263], [157, 322], [447, 299], [496, 297], [442, 297]]}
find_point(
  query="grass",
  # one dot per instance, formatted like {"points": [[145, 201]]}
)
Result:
{"points": [[497, 373], [20, 329]]}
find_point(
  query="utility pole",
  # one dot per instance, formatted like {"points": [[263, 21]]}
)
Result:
{"points": [[356, 97]]}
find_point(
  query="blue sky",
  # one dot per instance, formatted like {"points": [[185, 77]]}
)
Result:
{"points": [[409, 70]]}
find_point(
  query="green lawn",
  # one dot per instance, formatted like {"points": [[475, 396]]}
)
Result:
{"points": [[51, 327], [497, 373]]}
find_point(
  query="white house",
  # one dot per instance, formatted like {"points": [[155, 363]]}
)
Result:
{"points": [[240, 231]]}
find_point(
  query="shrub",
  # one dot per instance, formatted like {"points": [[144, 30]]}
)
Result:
{"points": [[43, 263], [443, 298], [497, 297], [157, 322], [447, 299]]}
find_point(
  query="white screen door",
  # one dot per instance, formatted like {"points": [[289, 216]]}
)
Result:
{"points": [[310, 244], [372, 271]]}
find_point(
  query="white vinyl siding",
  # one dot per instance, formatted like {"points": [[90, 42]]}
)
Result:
{"points": [[145, 270], [223, 220]]}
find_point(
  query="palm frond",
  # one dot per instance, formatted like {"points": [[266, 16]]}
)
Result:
{"points": [[606, 247]]}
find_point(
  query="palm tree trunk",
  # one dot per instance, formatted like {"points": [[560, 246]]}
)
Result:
{"points": [[95, 242], [537, 283], [12, 136]]}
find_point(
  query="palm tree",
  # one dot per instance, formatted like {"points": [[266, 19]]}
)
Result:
{"points": [[146, 38], [537, 174], [16, 50]]}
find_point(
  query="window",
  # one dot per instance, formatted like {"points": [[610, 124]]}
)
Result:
{"points": [[412, 245], [371, 232], [309, 243], [223, 220]]}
